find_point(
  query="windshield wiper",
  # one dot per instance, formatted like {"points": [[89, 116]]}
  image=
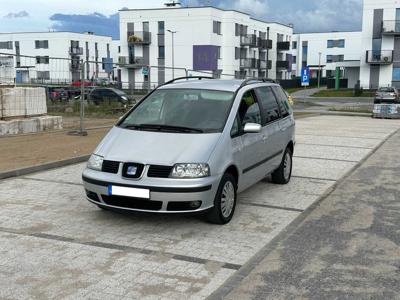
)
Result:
{"points": [[160, 127]]}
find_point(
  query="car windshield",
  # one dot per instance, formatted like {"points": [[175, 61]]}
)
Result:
{"points": [[386, 90], [181, 110]]}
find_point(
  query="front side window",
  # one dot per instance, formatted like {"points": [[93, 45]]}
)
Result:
{"points": [[249, 110], [269, 105], [181, 110]]}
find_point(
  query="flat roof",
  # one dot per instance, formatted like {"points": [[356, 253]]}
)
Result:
{"points": [[35, 32], [206, 6]]}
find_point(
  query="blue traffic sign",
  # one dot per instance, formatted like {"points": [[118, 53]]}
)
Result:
{"points": [[305, 76], [145, 71]]}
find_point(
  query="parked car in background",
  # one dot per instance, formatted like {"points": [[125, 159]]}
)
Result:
{"points": [[111, 95], [77, 83], [386, 95], [58, 94], [191, 145]]}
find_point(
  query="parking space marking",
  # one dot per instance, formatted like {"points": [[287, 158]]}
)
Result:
{"points": [[314, 178], [52, 181], [272, 206], [338, 146], [322, 158], [124, 248]]}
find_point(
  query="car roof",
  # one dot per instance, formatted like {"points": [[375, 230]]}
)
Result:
{"points": [[229, 85]]}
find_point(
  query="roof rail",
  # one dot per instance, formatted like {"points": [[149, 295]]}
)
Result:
{"points": [[256, 80], [187, 78]]}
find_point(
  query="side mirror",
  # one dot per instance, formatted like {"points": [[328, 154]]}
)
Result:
{"points": [[252, 128]]}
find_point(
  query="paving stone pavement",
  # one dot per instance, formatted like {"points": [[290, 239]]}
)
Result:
{"points": [[55, 244], [347, 248]]}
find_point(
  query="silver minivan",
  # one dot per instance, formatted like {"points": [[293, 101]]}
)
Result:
{"points": [[191, 145]]}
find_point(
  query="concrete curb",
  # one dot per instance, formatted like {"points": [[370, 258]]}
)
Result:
{"points": [[236, 278], [44, 167]]}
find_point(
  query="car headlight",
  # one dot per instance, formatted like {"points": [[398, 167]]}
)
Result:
{"points": [[125, 98], [190, 171], [95, 162]]}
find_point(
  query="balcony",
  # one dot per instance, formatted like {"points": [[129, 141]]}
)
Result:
{"points": [[380, 57], [133, 62], [283, 46], [282, 64], [76, 51], [139, 38], [391, 27], [245, 63], [248, 40], [264, 44], [263, 64]]}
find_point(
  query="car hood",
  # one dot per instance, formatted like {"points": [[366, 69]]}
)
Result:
{"points": [[159, 148]]}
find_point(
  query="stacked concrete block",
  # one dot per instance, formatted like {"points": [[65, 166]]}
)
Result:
{"points": [[30, 125], [22, 102]]}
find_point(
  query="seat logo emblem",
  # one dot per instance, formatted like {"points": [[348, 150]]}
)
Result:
{"points": [[131, 170]]}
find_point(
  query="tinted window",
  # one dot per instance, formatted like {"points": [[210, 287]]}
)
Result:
{"points": [[269, 105], [249, 111], [282, 101]]}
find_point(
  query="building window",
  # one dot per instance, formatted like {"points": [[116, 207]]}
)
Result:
{"points": [[336, 43], [294, 59], [294, 45], [6, 45], [42, 44], [334, 58], [161, 52], [219, 52], [237, 53], [42, 60], [119, 49], [161, 27], [217, 27], [396, 74], [43, 75], [146, 27], [237, 29]]}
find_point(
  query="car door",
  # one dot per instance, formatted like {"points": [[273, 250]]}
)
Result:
{"points": [[286, 123], [248, 147], [270, 128]]}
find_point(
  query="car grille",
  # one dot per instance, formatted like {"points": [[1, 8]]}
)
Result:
{"points": [[133, 203], [159, 171], [110, 166]]}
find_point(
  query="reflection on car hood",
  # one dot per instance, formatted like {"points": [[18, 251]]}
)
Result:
{"points": [[158, 148]]}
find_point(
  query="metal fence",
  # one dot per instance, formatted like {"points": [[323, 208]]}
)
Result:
{"points": [[36, 85]]}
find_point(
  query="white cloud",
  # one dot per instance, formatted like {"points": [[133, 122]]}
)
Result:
{"points": [[253, 7], [21, 14]]}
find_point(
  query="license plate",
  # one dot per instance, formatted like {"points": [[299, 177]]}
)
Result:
{"points": [[128, 192]]}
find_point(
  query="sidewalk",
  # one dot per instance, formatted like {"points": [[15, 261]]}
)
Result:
{"points": [[347, 247]]}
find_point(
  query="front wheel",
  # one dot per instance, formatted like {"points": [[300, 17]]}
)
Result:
{"points": [[283, 174], [224, 202]]}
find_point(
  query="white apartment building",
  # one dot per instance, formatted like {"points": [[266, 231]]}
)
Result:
{"points": [[207, 40], [327, 51], [33, 55], [380, 50]]}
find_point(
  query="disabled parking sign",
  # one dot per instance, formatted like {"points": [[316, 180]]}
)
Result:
{"points": [[305, 76]]}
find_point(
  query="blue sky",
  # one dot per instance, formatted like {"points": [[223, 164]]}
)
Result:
{"points": [[101, 16]]}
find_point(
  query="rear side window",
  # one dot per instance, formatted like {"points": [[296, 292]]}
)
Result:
{"points": [[282, 101], [269, 104]]}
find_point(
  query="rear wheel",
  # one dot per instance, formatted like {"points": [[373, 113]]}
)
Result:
{"points": [[283, 174], [224, 202]]}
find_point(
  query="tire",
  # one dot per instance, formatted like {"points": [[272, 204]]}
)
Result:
{"points": [[221, 214], [283, 174]]}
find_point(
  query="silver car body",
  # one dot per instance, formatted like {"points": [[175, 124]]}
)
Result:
{"points": [[252, 155]]}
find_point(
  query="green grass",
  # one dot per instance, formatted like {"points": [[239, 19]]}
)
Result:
{"points": [[341, 93], [292, 90]]}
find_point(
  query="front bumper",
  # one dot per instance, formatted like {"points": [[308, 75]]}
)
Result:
{"points": [[166, 195]]}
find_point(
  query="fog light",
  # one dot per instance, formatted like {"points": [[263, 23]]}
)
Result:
{"points": [[195, 204]]}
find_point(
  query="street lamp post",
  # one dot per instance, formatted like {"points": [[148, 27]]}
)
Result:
{"points": [[173, 54], [319, 70]]}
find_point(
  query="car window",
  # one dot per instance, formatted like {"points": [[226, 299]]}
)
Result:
{"points": [[235, 128], [205, 110], [269, 104], [282, 101], [249, 110]]}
